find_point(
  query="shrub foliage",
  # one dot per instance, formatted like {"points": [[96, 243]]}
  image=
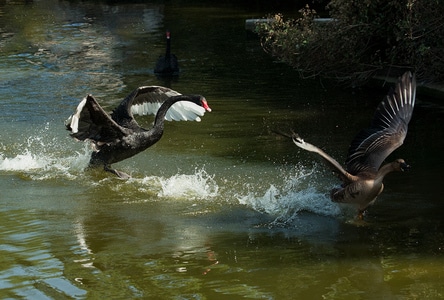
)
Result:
{"points": [[363, 38]]}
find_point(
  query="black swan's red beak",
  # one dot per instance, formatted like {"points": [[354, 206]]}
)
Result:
{"points": [[205, 105]]}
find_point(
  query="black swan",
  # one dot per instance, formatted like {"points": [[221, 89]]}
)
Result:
{"points": [[363, 177], [118, 136], [167, 65]]}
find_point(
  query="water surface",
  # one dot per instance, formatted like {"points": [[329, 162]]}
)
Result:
{"points": [[221, 209]]}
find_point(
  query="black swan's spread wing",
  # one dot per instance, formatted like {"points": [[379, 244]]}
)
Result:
{"points": [[388, 129], [150, 98], [91, 122], [147, 100]]}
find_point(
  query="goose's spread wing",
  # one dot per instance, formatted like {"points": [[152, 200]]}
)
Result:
{"points": [[388, 129], [334, 165], [147, 100], [91, 122]]}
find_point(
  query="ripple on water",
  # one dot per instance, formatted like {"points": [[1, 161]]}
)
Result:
{"points": [[29, 268]]}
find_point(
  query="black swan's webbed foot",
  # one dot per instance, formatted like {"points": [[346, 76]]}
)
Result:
{"points": [[119, 174]]}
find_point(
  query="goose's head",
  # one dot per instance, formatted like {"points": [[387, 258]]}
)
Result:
{"points": [[400, 165]]}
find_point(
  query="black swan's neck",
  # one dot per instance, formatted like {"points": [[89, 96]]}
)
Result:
{"points": [[146, 138], [163, 109], [168, 48], [152, 136]]}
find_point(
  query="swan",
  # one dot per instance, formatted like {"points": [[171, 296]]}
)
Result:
{"points": [[117, 136], [167, 65], [362, 179]]}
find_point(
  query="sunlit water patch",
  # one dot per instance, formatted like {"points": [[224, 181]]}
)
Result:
{"points": [[30, 270]]}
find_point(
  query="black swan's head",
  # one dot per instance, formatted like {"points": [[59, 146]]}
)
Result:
{"points": [[201, 101], [204, 104]]}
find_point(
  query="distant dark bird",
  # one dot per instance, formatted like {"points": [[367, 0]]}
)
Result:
{"points": [[118, 136], [363, 176], [167, 65]]}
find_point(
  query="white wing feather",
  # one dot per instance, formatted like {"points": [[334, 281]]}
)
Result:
{"points": [[179, 111], [74, 119]]}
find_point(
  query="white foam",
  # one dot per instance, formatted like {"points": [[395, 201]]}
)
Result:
{"points": [[297, 194], [22, 162], [40, 167], [39, 156], [199, 185]]}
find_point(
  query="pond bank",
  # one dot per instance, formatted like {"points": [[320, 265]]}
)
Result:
{"points": [[434, 90]]}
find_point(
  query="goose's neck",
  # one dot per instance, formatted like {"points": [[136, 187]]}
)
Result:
{"points": [[384, 170]]}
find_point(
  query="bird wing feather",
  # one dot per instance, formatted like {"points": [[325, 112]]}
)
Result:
{"points": [[334, 165], [387, 131], [146, 100], [91, 122]]}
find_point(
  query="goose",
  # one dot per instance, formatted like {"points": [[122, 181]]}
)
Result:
{"points": [[117, 136], [362, 179]]}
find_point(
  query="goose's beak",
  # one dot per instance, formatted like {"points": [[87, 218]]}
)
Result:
{"points": [[405, 167]]}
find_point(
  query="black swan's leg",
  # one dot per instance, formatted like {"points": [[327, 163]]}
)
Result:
{"points": [[97, 161], [119, 174]]}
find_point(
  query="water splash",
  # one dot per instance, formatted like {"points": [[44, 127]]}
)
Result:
{"points": [[297, 194], [41, 156], [199, 185], [285, 194], [22, 162], [189, 187]]}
